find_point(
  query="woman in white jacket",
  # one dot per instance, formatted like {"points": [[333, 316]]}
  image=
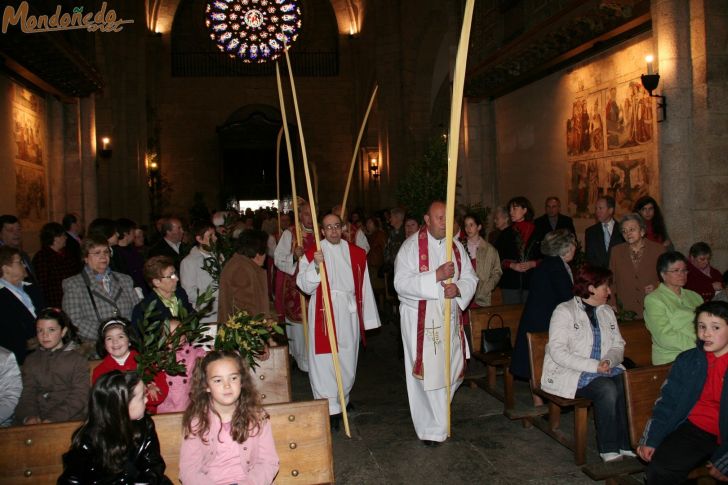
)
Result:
{"points": [[584, 355]]}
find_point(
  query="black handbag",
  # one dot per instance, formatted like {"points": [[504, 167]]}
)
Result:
{"points": [[497, 339]]}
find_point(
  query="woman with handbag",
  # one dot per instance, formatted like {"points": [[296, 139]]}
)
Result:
{"points": [[552, 284]]}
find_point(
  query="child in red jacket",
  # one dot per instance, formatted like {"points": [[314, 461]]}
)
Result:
{"points": [[120, 356]]}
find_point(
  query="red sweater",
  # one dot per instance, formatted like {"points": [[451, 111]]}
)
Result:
{"points": [[701, 283], [130, 364], [706, 411]]}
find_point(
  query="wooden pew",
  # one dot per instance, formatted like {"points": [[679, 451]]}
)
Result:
{"points": [[638, 342], [537, 349], [511, 315], [272, 376], [642, 388], [32, 454]]}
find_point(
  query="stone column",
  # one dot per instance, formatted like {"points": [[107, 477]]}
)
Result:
{"points": [[87, 134], [477, 169], [57, 199], [671, 29], [708, 28]]}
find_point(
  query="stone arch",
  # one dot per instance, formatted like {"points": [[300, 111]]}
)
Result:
{"points": [[247, 142], [349, 13], [190, 36]]}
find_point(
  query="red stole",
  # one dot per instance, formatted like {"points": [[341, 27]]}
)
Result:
{"points": [[424, 259], [358, 265], [291, 294]]}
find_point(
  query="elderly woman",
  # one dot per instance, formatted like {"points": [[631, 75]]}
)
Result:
{"points": [[584, 355], [518, 249], [703, 279], [552, 284], [501, 219], [52, 264], [670, 310], [167, 296], [633, 264], [20, 303], [655, 229], [96, 293]]}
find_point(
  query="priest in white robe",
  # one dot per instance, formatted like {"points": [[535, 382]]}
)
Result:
{"points": [[285, 257], [420, 274], [353, 306]]}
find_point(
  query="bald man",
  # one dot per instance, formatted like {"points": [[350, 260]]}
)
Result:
{"points": [[420, 275]]}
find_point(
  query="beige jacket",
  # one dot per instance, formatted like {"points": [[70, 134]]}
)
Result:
{"points": [[489, 271]]}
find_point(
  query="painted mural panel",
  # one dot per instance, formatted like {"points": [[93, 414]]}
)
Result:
{"points": [[609, 147], [29, 128]]}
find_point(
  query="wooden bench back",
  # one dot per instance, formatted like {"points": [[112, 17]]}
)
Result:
{"points": [[479, 317], [642, 388], [32, 454], [272, 376], [638, 342], [536, 352]]}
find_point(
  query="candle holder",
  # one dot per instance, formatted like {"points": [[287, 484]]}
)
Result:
{"points": [[650, 81]]}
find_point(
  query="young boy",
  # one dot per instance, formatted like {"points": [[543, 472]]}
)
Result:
{"points": [[689, 423]]}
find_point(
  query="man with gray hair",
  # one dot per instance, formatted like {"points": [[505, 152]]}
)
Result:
{"points": [[605, 234], [171, 244]]}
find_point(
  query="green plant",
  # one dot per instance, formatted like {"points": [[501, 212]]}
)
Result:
{"points": [[157, 346], [247, 334], [426, 180], [221, 249]]}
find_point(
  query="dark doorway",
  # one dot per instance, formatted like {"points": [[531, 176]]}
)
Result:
{"points": [[248, 151]]}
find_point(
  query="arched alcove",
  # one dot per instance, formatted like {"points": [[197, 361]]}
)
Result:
{"points": [[248, 154]]}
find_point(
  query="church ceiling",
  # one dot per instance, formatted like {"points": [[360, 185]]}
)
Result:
{"points": [[516, 42]]}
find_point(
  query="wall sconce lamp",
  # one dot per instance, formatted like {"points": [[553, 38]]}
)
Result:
{"points": [[374, 166], [106, 147], [650, 82]]}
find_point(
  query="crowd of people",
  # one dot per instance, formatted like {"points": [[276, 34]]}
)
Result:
{"points": [[85, 294]]}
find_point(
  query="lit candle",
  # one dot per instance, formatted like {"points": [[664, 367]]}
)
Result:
{"points": [[649, 60], [105, 142]]}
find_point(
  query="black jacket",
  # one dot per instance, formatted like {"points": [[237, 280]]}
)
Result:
{"points": [[162, 312], [162, 248], [550, 286], [144, 464], [596, 253], [17, 324]]}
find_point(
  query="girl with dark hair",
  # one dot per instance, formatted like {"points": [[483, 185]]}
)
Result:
{"points": [[649, 210], [115, 348], [55, 377], [518, 249], [228, 437], [687, 424], [584, 356], [118, 442], [52, 264]]}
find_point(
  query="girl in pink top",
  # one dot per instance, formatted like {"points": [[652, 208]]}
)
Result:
{"points": [[228, 437], [180, 385]]}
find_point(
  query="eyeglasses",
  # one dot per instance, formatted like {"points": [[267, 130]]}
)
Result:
{"points": [[681, 271], [628, 230], [173, 276], [99, 254], [331, 227]]}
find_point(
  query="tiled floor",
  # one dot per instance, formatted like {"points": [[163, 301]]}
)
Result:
{"points": [[485, 447]]}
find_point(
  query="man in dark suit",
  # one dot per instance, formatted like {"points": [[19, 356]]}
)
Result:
{"points": [[73, 241], [602, 236], [553, 219], [171, 243], [11, 235]]}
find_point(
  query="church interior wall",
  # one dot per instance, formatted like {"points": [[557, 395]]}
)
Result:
{"points": [[532, 136]]}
